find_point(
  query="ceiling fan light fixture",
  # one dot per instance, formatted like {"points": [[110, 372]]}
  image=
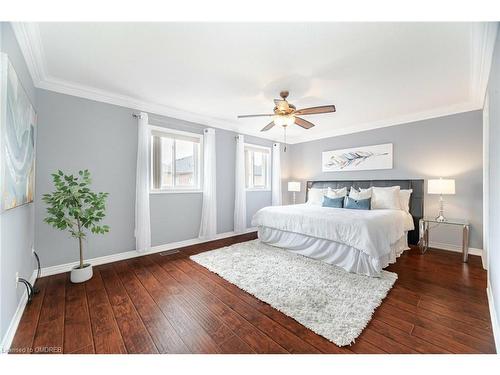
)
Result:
{"points": [[284, 120], [286, 114]]}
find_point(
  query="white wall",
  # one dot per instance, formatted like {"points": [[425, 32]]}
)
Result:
{"points": [[449, 147], [16, 225], [76, 133], [493, 241]]}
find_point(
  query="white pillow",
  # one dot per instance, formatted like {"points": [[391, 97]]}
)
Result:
{"points": [[336, 193], [385, 198], [404, 199], [315, 196], [361, 194]]}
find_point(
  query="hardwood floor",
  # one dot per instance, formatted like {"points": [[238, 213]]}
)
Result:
{"points": [[169, 304]]}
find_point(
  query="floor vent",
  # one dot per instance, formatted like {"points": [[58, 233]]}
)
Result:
{"points": [[168, 252]]}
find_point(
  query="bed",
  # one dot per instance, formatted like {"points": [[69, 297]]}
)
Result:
{"points": [[359, 241]]}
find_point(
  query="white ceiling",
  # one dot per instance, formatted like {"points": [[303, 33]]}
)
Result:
{"points": [[377, 74]]}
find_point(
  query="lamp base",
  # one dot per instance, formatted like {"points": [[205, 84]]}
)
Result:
{"points": [[441, 219]]}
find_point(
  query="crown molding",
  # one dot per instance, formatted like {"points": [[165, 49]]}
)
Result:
{"points": [[30, 42], [92, 93], [398, 120], [98, 95], [482, 46], [483, 40]]}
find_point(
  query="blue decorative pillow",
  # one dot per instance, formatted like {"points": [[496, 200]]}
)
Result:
{"points": [[357, 204], [333, 202]]}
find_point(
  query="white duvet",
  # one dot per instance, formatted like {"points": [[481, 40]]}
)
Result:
{"points": [[370, 231]]}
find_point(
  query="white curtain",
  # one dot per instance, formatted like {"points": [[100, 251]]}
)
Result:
{"points": [[276, 176], [142, 215], [240, 195], [208, 225]]}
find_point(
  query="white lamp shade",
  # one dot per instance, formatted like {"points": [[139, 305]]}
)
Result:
{"points": [[441, 186], [294, 186]]}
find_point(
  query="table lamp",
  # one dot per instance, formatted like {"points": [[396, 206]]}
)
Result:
{"points": [[294, 186], [442, 187]]}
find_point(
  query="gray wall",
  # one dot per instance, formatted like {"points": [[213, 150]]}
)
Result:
{"points": [[448, 146], [16, 225], [75, 133], [494, 182]]}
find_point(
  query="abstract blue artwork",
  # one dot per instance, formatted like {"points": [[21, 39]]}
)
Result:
{"points": [[17, 139]]}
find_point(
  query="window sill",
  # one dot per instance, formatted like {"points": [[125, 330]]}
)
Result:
{"points": [[187, 191], [261, 190]]}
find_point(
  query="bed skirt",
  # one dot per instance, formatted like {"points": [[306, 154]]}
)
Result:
{"points": [[347, 257]]}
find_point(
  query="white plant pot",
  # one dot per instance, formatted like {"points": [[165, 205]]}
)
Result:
{"points": [[79, 275]]}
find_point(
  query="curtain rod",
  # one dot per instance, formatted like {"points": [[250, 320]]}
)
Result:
{"points": [[170, 121], [135, 115]]}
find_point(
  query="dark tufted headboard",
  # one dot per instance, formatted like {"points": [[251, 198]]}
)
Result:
{"points": [[416, 198]]}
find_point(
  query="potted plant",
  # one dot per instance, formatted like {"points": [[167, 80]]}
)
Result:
{"points": [[74, 207]]}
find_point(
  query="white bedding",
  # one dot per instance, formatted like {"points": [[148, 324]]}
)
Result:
{"points": [[331, 252], [373, 232]]}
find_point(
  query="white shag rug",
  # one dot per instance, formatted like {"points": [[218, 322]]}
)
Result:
{"points": [[327, 299]]}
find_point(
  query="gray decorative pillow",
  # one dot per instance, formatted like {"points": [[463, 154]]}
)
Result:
{"points": [[333, 202], [359, 204]]}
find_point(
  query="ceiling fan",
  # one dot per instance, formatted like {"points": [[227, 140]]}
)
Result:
{"points": [[285, 114]]}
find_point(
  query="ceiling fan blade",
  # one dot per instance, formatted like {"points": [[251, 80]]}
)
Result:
{"points": [[316, 110], [261, 115], [303, 123], [267, 127]]}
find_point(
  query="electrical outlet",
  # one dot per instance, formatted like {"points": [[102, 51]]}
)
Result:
{"points": [[17, 277], [33, 250]]}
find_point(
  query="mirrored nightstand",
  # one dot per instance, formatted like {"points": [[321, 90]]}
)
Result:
{"points": [[425, 225]]}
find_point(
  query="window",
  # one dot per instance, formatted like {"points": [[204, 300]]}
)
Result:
{"points": [[175, 160], [257, 167]]}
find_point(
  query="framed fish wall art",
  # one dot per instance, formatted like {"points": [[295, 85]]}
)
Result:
{"points": [[358, 158]]}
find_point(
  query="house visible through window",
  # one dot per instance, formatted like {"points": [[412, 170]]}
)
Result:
{"points": [[175, 160], [257, 167]]}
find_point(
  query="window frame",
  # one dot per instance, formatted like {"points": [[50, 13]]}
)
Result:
{"points": [[198, 163], [268, 150]]}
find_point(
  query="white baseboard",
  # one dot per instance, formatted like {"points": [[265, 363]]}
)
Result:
{"points": [[455, 248], [484, 258], [494, 316], [14, 322], [61, 268]]}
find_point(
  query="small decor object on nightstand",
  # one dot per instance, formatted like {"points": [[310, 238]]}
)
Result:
{"points": [[442, 187], [77, 209], [294, 186]]}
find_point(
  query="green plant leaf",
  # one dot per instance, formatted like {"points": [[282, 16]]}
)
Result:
{"points": [[73, 206]]}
